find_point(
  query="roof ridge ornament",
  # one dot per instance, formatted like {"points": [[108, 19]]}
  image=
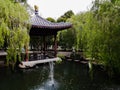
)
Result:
{"points": [[36, 9]]}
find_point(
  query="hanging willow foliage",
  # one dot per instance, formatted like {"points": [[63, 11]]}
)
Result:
{"points": [[13, 29], [98, 34]]}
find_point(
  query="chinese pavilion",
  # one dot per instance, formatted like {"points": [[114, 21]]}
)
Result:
{"points": [[44, 28]]}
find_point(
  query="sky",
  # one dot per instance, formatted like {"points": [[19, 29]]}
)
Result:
{"points": [[56, 8]]}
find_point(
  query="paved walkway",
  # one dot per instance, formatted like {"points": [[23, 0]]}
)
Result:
{"points": [[26, 64], [3, 53]]}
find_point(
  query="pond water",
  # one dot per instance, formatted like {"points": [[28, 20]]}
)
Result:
{"points": [[64, 76]]}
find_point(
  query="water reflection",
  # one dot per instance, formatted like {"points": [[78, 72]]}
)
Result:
{"points": [[64, 76]]}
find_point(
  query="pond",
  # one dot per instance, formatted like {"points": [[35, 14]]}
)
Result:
{"points": [[67, 76]]}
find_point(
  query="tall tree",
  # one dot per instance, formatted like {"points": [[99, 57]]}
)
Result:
{"points": [[66, 15], [50, 19], [65, 37]]}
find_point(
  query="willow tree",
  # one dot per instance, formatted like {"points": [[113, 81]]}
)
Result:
{"points": [[13, 29], [98, 33], [109, 17], [79, 22]]}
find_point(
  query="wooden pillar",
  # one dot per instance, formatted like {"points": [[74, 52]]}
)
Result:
{"points": [[26, 51], [44, 46], [55, 44]]}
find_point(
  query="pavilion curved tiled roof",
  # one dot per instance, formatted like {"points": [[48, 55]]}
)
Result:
{"points": [[41, 26]]}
